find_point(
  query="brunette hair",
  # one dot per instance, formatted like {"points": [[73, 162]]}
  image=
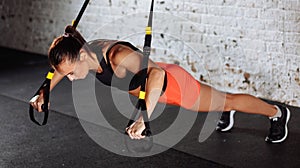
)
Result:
{"points": [[65, 47]]}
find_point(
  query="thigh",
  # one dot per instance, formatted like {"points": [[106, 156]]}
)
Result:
{"points": [[209, 99]]}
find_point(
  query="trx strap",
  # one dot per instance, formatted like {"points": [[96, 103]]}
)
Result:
{"points": [[141, 104], [45, 87]]}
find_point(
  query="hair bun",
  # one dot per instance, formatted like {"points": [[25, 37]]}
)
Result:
{"points": [[69, 29]]}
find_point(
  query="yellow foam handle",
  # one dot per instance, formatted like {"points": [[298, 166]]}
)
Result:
{"points": [[50, 75], [148, 30], [142, 95]]}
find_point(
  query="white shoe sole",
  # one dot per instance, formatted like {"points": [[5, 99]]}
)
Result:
{"points": [[231, 122]]}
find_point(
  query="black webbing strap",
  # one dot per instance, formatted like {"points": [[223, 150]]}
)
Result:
{"points": [[45, 87], [76, 21], [141, 104]]}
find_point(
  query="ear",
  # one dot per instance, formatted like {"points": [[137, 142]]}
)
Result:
{"points": [[82, 55]]}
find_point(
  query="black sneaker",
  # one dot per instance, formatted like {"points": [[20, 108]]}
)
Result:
{"points": [[226, 121], [279, 130]]}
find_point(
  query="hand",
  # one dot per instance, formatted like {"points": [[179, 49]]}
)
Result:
{"points": [[37, 102], [135, 130]]}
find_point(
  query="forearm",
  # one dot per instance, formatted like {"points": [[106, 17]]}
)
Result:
{"points": [[57, 77], [154, 85]]}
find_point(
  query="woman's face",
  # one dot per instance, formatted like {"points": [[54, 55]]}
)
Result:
{"points": [[74, 70]]}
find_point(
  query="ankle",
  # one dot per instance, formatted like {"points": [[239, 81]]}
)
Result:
{"points": [[277, 114]]}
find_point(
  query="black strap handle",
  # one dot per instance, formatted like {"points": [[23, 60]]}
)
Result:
{"points": [[141, 104], [142, 108], [45, 87]]}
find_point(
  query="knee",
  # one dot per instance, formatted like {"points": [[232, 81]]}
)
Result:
{"points": [[230, 102]]}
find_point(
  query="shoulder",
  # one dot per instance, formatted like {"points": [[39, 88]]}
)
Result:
{"points": [[121, 46], [121, 50]]}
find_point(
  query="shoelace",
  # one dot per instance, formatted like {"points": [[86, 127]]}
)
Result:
{"points": [[225, 116]]}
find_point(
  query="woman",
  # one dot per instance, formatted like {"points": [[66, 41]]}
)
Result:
{"points": [[117, 64]]}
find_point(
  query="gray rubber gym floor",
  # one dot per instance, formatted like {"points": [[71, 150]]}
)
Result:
{"points": [[63, 142]]}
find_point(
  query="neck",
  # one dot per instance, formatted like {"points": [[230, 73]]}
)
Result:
{"points": [[94, 63]]}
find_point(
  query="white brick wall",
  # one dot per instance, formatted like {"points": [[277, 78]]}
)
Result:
{"points": [[221, 42]]}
